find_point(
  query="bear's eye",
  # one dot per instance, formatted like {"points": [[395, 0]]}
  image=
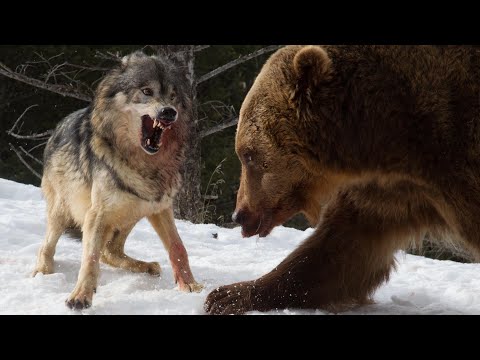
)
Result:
{"points": [[147, 91], [248, 157]]}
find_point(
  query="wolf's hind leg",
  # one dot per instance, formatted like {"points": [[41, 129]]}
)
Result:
{"points": [[56, 225], [114, 255]]}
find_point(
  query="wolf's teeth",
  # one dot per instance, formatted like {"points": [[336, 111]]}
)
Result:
{"points": [[148, 142], [155, 123]]}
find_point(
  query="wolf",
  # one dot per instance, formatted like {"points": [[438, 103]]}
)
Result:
{"points": [[111, 164]]}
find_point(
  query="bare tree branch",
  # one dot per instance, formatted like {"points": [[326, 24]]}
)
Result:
{"points": [[220, 109], [9, 132], [177, 49], [218, 128], [78, 82], [59, 69], [24, 162], [58, 89], [200, 48], [108, 56], [37, 146], [53, 72], [88, 67], [31, 156], [44, 60], [65, 63], [70, 72], [236, 62], [42, 136]]}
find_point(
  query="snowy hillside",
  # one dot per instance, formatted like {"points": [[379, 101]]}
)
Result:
{"points": [[420, 286]]}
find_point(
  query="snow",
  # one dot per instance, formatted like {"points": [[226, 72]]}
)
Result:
{"points": [[419, 286]]}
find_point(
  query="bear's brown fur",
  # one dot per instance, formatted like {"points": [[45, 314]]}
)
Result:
{"points": [[376, 145]]}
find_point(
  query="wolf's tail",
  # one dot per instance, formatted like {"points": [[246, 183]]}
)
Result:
{"points": [[74, 233]]}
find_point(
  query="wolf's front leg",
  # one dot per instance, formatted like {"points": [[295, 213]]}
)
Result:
{"points": [[164, 225], [95, 233]]}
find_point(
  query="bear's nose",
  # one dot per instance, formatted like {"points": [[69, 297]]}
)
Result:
{"points": [[239, 216]]}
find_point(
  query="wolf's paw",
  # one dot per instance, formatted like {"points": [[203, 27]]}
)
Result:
{"points": [[153, 268], [45, 268], [190, 287], [80, 298]]}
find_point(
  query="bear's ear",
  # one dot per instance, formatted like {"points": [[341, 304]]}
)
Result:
{"points": [[311, 65]]}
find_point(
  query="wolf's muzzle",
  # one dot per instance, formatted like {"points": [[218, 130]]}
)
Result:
{"points": [[167, 115]]}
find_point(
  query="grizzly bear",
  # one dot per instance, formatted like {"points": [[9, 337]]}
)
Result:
{"points": [[376, 145]]}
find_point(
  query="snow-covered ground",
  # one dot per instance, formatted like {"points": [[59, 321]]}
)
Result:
{"points": [[419, 286]]}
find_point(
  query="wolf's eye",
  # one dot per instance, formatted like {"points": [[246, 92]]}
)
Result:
{"points": [[147, 91], [173, 96]]}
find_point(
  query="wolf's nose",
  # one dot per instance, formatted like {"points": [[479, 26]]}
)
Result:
{"points": [[167, 114]]}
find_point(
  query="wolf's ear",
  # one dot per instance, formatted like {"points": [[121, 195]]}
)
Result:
{"points": [[130, 58], [311, 66]]}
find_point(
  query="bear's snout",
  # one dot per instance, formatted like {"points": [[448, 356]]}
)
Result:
{"points": [[247, 220], [243, 217], [239, 216], [252, 223]]}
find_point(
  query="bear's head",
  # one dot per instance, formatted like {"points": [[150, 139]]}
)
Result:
{"points": [[279, 169]]}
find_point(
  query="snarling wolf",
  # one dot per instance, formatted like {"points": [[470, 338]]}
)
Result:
{"points": [[114, 163]]}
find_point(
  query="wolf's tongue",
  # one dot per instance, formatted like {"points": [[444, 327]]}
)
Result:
{"points": [[147, 123]]}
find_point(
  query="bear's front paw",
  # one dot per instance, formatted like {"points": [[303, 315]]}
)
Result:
{"points": [[233, 299]]}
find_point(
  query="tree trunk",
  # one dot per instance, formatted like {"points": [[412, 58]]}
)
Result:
{"points": [[188, 203]]}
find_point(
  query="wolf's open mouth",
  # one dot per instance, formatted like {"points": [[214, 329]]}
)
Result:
{"points": [[152, 131]]}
